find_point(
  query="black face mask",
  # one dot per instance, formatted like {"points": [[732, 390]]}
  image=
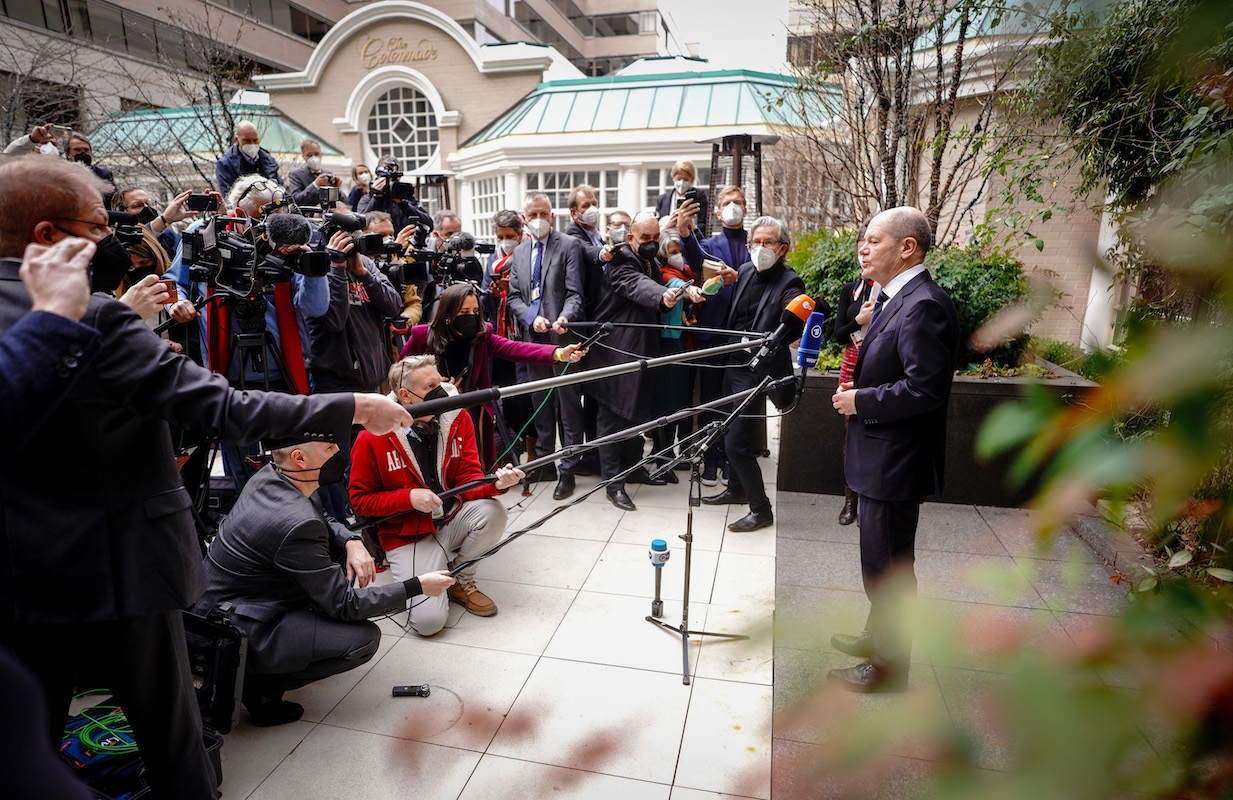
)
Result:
{"points": [[467, 325], [147, 215], [109, 265], [435, 394], [331, 471], [648, 250], [84, 158]]}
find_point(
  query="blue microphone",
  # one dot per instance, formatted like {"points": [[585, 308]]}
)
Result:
{"points": [[811, 342]]}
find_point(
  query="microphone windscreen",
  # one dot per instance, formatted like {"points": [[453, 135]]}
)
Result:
{"points": [[121, 218], [801, 307], [713, 285], [288, 229], [460, 242]]}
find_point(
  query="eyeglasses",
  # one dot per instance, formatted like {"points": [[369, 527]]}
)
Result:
{"points": [[139, 204], [98, 228], [764, 243]]}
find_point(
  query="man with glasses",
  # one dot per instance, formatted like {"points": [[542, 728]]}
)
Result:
{"points": [[765, 285], [98, 562]]}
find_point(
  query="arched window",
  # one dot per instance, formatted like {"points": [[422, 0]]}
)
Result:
{"points": [[402, 123]]}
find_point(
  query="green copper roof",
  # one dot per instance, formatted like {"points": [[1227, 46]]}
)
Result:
{"points": [[192, 129], [641, 102]]}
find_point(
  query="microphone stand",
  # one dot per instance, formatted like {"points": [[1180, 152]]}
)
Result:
{"points": [[716, 430]]}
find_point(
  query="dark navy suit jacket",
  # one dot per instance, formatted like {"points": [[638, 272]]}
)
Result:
{"points": [[896, 441]]}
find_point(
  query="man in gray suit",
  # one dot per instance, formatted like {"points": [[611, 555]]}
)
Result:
{"points": [[98, 551], [272, 561], [545, 293]]}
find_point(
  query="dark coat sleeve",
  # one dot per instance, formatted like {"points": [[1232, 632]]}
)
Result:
{"points": [[846, 310], [926, 358], [40, 358]]}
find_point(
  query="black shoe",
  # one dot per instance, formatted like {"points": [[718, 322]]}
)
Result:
{"points": [[847, 515], [754, 520], [620, 499], [865, 678], [642, 476], [725, 498], [267, 712], [565, 487], [858, 646], [670, 477], [710, 474]]}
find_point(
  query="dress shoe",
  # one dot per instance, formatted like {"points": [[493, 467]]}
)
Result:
{"points": [[472, 599], [670, 477], [725, 497], [858, 646], [754, 520], [565, 487], [642, 476], [620, 499], [266, 712], [865, 678], [847, 514]]}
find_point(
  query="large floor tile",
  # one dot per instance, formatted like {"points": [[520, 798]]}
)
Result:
{"points": [[972, 578], [527, 617], [542, 561], [597, 718], [642, 526], [727, 741], [825, 565], [813, 517], [1017, 529], [798, 774], [250, 754], [319, 698], [603, 628], [685, 793], [335, 762], [746, 660], [956, 529], [497, 777], [1077, 586], [626, 569], [755, 543], [806, 617], [985, 637], [593, 520], [472, 689], [740, 578], [669, 497]]}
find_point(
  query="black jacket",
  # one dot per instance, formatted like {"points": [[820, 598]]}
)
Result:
{"points": [[847, 308], [775, 295], [562, 276], [664, 204], [593, 269], [94, 518], [348, 340]]}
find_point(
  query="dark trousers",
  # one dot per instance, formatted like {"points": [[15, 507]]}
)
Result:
{"points": [[617, 457], [744, 442], [143, 662], [334, 646], [565, 405], [888, 555], [710, 387]]}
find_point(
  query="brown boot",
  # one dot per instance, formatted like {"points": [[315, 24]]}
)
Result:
{"points": [[847, 515], [472, 599]]}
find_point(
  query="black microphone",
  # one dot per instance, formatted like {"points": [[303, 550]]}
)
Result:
{"points": [[460, 242], [791, 323], [288, 229]]}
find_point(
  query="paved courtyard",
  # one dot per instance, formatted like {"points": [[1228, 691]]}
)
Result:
{"points": [[569, 692]]}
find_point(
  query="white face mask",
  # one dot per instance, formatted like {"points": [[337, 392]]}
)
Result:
{"points": [[507, 245], [682, 186], [49, 149], [732, 215], [364, 179], [590, 217], [313, 162], [538, 227], [250, 150], [677, 261], [618, 234], [763, 258]]}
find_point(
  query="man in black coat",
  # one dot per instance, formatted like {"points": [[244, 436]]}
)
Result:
{"points": [[272, 562], [764, 287], [547, 273], [896, 437], [98, 551], [632, 291]]}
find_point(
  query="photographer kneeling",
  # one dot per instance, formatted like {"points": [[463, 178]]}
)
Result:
{"points": [[271, 561], [403, 472]]}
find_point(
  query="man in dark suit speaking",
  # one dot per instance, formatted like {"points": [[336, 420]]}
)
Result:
{"points": [[98, 551], [896, 438]]}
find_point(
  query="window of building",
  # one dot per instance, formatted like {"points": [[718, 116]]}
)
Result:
{"points": [[402, 123], [659, 181], [558, 185], [487, 198]]}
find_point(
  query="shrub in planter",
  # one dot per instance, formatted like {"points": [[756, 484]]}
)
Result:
{"points": [[980, 283]]}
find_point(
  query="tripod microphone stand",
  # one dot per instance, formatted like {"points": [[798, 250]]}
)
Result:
{"points": [[717, 430]]}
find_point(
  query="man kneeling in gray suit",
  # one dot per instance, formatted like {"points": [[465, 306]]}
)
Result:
{"points": [[271, 560]]}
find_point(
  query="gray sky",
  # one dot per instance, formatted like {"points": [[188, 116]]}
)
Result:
{"points": [[731, 34]]}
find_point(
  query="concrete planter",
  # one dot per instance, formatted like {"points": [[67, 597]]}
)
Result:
{"points": [[811, 460]]}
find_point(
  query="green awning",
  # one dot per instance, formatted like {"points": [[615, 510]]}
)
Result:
{"points": [[193, 129], [640, 102]]}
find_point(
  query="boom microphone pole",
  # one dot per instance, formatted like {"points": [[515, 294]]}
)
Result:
{"points": [[660, 327]]}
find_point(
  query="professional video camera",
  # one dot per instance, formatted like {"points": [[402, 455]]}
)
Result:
{"points": [[456, 263], [245, 264], [394, 188]]}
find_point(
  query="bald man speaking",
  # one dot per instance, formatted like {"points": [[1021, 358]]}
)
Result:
{"points": [[896, 439]]}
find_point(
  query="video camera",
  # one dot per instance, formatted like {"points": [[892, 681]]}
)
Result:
{"points": [[456, 263], [394, 188], [245, 264]]}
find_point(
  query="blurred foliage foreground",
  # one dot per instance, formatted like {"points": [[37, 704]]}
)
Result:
{"points": [[1139, 704]]}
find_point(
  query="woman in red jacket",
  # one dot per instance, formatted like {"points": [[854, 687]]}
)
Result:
{"points": [[404, 472], [464, 344]]}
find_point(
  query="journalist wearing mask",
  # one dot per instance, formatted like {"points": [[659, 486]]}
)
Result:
{"points": [[684, 179]]}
